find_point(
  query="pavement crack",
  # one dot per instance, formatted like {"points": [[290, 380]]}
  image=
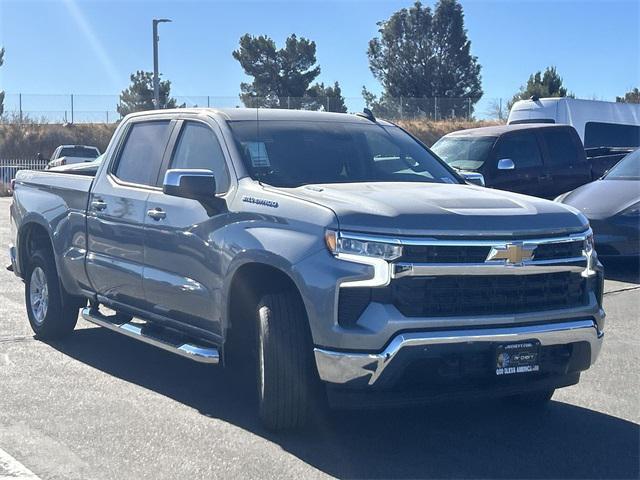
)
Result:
{"points": [[636, 287], [16, 338]]}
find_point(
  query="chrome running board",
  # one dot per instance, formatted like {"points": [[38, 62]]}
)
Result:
{"points": [[156, 337]]}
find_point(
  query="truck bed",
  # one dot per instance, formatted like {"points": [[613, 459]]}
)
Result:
{"points": [[58, 203]]}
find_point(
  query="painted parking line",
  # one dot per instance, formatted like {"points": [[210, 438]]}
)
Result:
{"points": [[11, 469]]}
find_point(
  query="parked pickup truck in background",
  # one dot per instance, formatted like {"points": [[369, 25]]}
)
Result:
{"points": [[544, 160], [69, 154], [333, 252]]}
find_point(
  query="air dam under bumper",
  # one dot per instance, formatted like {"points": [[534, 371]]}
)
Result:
{"points": [[375, 369]]}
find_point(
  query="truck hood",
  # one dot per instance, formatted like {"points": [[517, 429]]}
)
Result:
{"points": [[441, 209]]}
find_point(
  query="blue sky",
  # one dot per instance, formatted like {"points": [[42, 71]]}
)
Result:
{"points": [[91, 46]]}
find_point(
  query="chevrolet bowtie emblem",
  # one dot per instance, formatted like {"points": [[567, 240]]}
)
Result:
{"points": [[512, 253]]}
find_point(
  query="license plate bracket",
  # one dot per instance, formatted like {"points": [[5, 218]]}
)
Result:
{"points": [[518, 358]]}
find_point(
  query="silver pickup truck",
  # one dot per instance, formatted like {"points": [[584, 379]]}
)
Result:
{"points": [[334, 253]]}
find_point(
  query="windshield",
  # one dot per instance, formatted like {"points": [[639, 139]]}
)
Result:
{"points": [[290, 154], [464, 153], [626, 169], [82, 152]]}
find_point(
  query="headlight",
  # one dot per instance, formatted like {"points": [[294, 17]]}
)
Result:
{"points": [[338, 242], [632, 211]]}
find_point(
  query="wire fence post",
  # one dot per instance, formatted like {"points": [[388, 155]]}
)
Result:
{"points": [[469, 110], [208, 101], [107, 112], [435, 109], [328, 100], [72, 108], [288, 102]]}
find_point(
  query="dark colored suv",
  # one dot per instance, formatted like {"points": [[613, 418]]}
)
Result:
{"points": [[535, 159]]}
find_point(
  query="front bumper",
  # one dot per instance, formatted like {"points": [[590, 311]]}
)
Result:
{"points": [[367, 370]]}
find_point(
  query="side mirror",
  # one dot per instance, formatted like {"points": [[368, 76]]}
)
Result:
{"points": [[189, 183], [474, 178], [506, 164]]}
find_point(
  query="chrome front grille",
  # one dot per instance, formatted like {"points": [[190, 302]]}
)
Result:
{"points": [[447, 278]]}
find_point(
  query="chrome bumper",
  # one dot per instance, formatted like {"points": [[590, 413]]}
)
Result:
{"points": [[344, 368]]}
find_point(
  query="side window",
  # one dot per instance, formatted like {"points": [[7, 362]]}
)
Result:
{"points": [[561, 147], [522, 148], [140, 158], [198, 147], [599, 134]]}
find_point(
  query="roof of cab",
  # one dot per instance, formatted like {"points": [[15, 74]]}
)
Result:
{"points": [[498, 130], [237, 114]]}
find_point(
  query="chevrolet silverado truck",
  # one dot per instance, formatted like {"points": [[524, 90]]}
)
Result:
{"points": [[333, 252]]}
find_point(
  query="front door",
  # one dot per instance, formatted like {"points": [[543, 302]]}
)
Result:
{"points": [[182, 276], [528, 176], [117, 212]]}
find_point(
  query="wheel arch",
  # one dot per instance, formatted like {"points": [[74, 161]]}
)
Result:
{"points": [[248, 283], [32, 236]]}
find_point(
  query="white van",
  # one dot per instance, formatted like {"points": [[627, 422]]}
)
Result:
{"points": [[599, 124]]}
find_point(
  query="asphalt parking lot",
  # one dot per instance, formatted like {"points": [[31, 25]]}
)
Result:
{"points": [[102, 406]]}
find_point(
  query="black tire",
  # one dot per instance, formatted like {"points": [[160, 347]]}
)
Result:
{"points": [[59, 317], [285, 368], [537, 399]]}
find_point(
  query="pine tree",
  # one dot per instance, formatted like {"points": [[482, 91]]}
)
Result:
{"points": [[139, 95], [420, 55], [282, 77]]}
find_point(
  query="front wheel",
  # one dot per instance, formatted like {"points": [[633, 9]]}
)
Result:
{"points": [[285, 367], [52, 313]]}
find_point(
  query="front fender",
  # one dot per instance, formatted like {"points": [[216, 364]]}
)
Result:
{"points": [[275, 247]]}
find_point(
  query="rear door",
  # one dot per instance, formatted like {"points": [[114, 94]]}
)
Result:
{"points": [[523, 148], [182, 276], [565, 159], [117, 212]]}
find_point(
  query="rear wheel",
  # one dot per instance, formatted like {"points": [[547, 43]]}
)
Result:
{"points": [[52, 313], [285, 368]]}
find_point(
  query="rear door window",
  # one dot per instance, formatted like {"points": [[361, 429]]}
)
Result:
{"points": [[141, 156], [561, 147], [522, 148], [198, 148], [598, 134]]}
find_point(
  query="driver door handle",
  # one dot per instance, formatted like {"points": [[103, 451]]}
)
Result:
{"points": [[157, 214], [98, 204]]}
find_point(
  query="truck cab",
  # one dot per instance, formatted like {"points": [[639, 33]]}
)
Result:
{"points": [[535, 159]]}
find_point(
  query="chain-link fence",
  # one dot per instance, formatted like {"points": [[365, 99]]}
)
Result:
{"points": [[78, 109]]}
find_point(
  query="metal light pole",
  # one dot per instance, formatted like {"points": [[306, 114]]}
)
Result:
{"points": [[156, 82]]}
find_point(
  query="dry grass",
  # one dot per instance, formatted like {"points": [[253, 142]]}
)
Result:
{"points": [[27, 139], [429, 132]]}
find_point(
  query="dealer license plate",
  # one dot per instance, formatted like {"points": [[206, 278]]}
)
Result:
{"points": [[513, 358]]}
